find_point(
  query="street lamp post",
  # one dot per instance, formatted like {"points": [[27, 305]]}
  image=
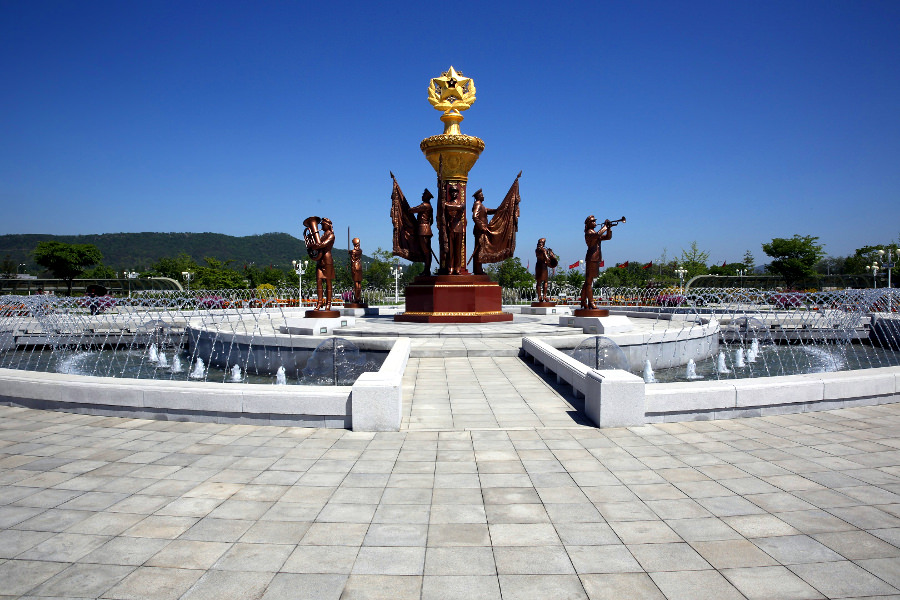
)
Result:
{"points": [[681, 273], [129, 275], [187, 278], [874, 268], [300, 269], [396, 271], [741, 275], [889, 263], [17, 268]]}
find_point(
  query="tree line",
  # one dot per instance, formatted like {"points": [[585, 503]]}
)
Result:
{"points": [[799, 261]]}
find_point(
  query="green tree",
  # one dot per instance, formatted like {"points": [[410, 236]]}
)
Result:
{"points": [[217, 276], [511, 273], [100, 271], [694, 261], [8, 267], [378, 272], [172, 267], [749, 261], [66, 261], [793, 258]]}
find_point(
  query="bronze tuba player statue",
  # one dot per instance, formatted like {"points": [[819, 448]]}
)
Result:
{"points": [[319, 245]]}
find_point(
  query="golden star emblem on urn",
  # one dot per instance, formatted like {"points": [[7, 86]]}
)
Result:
{"points": [[452, 151]]}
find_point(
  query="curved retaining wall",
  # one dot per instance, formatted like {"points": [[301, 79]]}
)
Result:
{"points": [[373, 403], [618, 398]]}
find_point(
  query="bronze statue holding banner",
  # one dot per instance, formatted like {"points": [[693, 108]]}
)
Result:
{"points": [[412, 227], [319, 245], [495, 240]]}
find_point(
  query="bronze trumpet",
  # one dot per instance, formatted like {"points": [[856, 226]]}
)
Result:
{"points": [[609, 223], [311, 235]]}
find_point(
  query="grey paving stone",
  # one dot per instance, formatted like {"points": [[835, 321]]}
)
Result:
{"points": [[87, 580], [842, 579], [525, 560], [668, 557], [695, 585], [458, 534], [154, 583], [613, 558], [306, 586], [254, 557], [735, 553], [457, 561], [188, 554], [374, 560], [615, 586], [584, 534], [460, 587], [382, 587], [335, 534], [794, 549], [753, 526], [523, 534], [229, 585], [20, 576], [770, 583], [321, 559], [544, 587], [644, 532], [703, 529]]}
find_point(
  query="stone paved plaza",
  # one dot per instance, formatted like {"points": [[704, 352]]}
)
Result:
{"points": [[496, 487]]}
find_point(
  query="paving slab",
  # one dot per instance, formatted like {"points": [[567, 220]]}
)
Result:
{"points": [[458, 504]]}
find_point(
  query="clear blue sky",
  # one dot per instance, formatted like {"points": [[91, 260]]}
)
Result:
{"points": [[728, 123]]}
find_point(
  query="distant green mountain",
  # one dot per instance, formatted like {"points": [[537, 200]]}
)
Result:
{"points": [[140, 250]]}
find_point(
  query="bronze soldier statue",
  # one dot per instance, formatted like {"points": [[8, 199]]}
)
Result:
{"points": [[480, 230], [356, 271], [545, 258], [455, 236], [424, 218]]}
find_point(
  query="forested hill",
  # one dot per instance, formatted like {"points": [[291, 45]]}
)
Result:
{"points": [[140, 250]]}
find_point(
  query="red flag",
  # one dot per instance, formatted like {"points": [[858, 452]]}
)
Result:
{"points": [[528, 266], [602, 262], [575, 265], [724, 263], [624, 265], [648, 265]]}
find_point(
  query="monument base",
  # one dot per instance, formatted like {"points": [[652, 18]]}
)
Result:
{"points": [[322, 314], [453, 299], [356, 305], [543, 304], [590, 312]]}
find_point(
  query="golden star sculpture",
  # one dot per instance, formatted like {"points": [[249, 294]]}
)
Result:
{"points": [[451, 91]]}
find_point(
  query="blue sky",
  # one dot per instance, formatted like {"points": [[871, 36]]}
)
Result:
{"points": [[728, 123]]}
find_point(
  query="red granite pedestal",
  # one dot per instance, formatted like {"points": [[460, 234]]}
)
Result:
{"points": [[590, 312], [322, 314], [453, 299]]}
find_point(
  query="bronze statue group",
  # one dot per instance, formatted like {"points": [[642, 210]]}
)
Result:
{"points": [[495, 241]]}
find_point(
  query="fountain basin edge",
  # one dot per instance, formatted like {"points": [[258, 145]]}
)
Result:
{"points": [[619, 398], [372, 403]]}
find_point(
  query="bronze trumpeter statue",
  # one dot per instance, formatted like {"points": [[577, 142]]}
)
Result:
{"points": [[593, 260]]}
